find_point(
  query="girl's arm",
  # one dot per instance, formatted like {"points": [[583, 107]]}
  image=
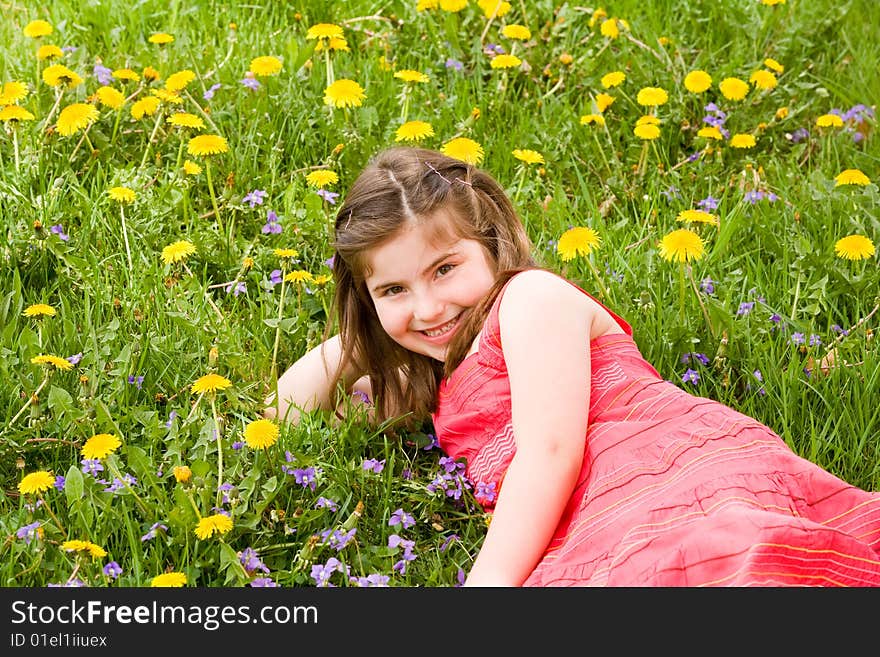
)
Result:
{"points": [[545, 333], [306, 385]]}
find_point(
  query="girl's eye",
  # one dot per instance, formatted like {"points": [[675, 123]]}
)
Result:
{"points": [[442, 270], [391, 291]]}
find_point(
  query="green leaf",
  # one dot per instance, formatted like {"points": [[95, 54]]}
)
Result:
{"points": [[60, 400], [73, 484], [230, 563]]}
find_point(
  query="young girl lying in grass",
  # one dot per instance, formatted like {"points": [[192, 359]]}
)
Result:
{"points": [[597, 471]]}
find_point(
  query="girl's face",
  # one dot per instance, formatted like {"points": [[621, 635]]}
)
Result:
{"points": [[421, 285]]}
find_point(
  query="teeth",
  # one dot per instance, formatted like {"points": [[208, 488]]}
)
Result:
{"points": [[433, 333]]}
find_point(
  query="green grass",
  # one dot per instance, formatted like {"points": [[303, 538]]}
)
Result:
{"points": [[172, 324]]}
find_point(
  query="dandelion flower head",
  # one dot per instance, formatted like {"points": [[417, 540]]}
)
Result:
{"points": [[464, 149], [854, 247], [36, 482], [344, 93], [453, 6], [603, 102], [39, 310], [15, 113], [587, 119], [186, 120], [763, 80], [261, 434], [652, 96], [324, 31], [742, 140], [697, 81], [210, 383], [100, 446], [265, 66], [49, 51], [829, 121], [286, 253], [681, 245], [121, 194], [493, 8], [697, 216], [96, 551], [321, 178], [144, 107], [75, 117], [36, 29], [168, 580], [646, 130], [773, 65], [219, 523], [733, 88], [409, 75], [182, 473], [110, 97], [178, 81], [505, 61], [13, 92], [299, 276], [125, 74], [613, 79], [710, 132], [528, 156], [414, 131], [851, 177], [190, 168], [55, 362], [160, 38], [576, 241], [205, 145], [177, 251], [58, 74], [518, 32]]}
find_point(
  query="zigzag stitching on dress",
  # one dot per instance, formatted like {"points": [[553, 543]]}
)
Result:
{"points": [[606, 377], [488, 460]]}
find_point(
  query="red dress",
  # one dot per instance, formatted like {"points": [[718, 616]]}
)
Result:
{"points": [[675, 489]]}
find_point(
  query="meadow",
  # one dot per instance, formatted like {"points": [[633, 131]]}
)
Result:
{"points": [[170, 173]]}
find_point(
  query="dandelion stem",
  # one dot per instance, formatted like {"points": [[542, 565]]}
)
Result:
{"points": [[115, 126], [54, 517], [15, 146], [150, 141], [31, 399], [274, 371], [125, 238], [522, 177], [214, 201], [207, 295], [219, 448], [605, 294], [52, 111], [118, 475], [681, 291], [700, 300]]}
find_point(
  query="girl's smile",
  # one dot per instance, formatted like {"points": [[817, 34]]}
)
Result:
{"points": [[423, 279]]}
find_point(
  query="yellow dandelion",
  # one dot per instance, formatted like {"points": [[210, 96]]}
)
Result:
{"points": [[55, 362], [518, 32], [565, 59], [36, 29], [772, 3], [171, 97], [125, 74], [110, 97], [697, 81], [710, 132], [505, 61], [609, 28], [587, 119], [286, 253], [39, 310], [186, 120], [681, 245], [344, 93], [773, 65], [492, 8], [204, 145], [160, 38], [178, 81], [100, 445], [763, 80], [96, 551], [150, 74], [409, 75], [144, 107], [528, 156], [321, 279], [210, 383], [76, 117], [15, 113], [49, 52], [182, 473], [603, 102], [13, 92], [742, 140], [261, 434], [464, 149], [851, 177], [613, 79], [190, 168], [320, 178], [168, 580], [697, 216], [854, 247], [413, 131], [453, 6], [36, 482], [576, 241], [58, 74], [652, 96], [782, 113], [121, 194], [265, 66], [324, 31], [335, 43], [219, 523], [647, 131], [177, 252], [829, 121], [733, 88], [299, 276]]}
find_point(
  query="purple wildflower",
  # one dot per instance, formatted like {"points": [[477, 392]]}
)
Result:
{"points": [[837, 328], [58, 230], [112, 570], [372, 580], [753, 196], [745, 308], [29, 532], [171, 416], [707, 285], [240, 288], [448, 541], [691, 376], [326, 503], [362, 396], [275, 277], [254, 198], [321, 573], [209, 94], [154, 531], [74, 360], [434, 442], [401, 517], [103, 74], [485, 493], [708, 203], [59, 482], [328, 196], [237, 445], [262, 582], [92, 467], [454, 63], [815, 340], [250, 561], [137, 381], [797, 338], [251, 83], [373, 465], [799, 135], [306, 477]]}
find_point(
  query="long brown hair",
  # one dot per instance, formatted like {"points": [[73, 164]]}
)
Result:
{"points": [[400, 187]]}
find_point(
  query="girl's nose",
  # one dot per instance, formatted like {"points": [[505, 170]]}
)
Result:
{"points": [[427, 308]]}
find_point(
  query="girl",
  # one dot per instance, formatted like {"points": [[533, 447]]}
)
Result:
{"points": [[605, 473]]}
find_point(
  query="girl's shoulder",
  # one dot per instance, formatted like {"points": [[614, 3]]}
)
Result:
{"points": [[551, 296]]}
